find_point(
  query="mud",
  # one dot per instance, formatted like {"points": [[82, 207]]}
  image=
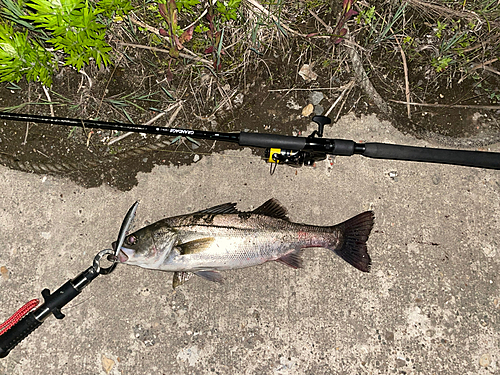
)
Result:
{"points": [[242, 102]]}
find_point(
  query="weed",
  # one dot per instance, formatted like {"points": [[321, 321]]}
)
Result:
{"points": [[73, 29], [21, 57], [366, 16], [441, 63], [228, 10], [347, 13], [440, 28]]}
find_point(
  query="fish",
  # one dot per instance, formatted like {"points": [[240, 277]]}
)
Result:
{"points": [[222, 238]]}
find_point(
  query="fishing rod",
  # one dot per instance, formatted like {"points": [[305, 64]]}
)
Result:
{"points": [[295, 151]]}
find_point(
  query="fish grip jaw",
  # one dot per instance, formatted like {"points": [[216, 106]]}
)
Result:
{"points": [[53, 302]]}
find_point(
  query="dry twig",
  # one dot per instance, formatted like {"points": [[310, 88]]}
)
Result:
{"points": [[188, 55], [159, 115], [261, 9], [346, 88], [478, 106]]}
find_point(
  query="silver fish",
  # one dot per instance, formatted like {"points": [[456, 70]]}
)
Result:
{"points": [[223, 238]]}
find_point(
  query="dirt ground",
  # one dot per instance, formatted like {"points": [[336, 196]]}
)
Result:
{"points": [[267, 92]]}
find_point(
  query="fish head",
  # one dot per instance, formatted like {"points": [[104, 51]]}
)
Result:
{"points": [[148, 247]]}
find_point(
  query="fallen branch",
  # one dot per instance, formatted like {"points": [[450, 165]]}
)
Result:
{"points": [[447, 12], [365, 82], [346, 87], [407, 82], [478, 106], [162, 50], [309, 89]]}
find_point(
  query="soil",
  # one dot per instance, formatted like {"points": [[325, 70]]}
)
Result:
{"points": [[137, 89]]}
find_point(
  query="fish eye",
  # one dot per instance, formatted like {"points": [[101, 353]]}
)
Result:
{"points": [[131, 240]]}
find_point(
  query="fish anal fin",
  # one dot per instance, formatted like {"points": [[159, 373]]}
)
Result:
{"points": [[211, 276], [272, 208], [292, 259], [180, 277], [195, 246]]}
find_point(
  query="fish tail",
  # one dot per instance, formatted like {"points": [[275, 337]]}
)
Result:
{"points": [[352, 247]]}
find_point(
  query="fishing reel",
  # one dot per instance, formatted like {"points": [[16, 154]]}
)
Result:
{"points": [[297, 158], [293, 158]]}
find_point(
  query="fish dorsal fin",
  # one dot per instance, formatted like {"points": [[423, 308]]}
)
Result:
{"points": [[272, 208], [195, 246], [226, 208], [180, 277]]}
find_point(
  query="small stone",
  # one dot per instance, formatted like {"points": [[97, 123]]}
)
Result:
{"points": [[389, 336], [46, 235], [400, 362], [307, 73], [107, 364], [4, 272], [318, 110], [307, 110], [315, 97], [485, 360], [196, 158]]}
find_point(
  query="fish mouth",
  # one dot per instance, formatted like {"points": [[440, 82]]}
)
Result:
{"points": [[122, 257], [122, 254]]}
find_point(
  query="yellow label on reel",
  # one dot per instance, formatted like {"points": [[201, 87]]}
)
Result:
{"points": [[273, 151]]}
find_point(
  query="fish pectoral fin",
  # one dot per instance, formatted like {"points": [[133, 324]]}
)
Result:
{"points": [[180, 277], [211, 276], [292, 259], [195, 246]]}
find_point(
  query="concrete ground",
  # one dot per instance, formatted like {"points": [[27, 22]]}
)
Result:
{"points": [[431, 304]]}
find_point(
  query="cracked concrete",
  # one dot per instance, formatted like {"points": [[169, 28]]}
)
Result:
{"points": [[430, 305]]}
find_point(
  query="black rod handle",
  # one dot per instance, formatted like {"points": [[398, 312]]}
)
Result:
{"points": [[265, 140], [17, 333], [479, 159]]}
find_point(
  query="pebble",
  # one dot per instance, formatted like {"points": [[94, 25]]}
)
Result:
{"points": [[318, 110], [107, 364], [307, 73], [393, 175], [315, 97], [307, 110], [485, 360], [238, 98], [4, 272], [196, 158]]}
